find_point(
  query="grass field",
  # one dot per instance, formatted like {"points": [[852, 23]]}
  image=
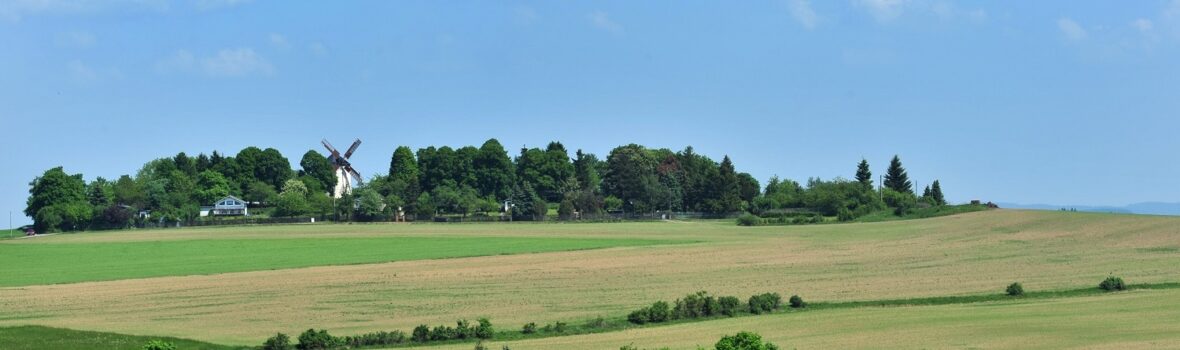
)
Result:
{"points": [[65, 262], [965, 254], [45, 338]]}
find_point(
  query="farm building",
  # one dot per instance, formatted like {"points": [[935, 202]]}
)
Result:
{"points": [[230, 205]]}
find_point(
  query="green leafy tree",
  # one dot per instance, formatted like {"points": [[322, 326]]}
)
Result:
{"points": [[57, 201], [261, 192], [863, 175], [293, 200], [211, 186], [128, 192], [317, 167], [631, 172], [494, 172], [370, 205], [744, 341], [896, 177], [698, 172]]}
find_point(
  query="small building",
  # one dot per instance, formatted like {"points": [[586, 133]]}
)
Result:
{"points": [[230, 205], [206, 209]]}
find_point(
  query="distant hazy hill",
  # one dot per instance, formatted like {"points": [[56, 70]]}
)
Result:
{"points": [[1150, 208]]}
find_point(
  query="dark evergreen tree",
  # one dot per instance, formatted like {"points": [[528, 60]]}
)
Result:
{"points": [[863, 175], [725, 194], [404, 179], [749, 187], [896, 177], [586, 171], [936, 192]]}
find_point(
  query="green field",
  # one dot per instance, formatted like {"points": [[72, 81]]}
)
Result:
{"points": [[927, 283], [66, 262], [46, 338]]}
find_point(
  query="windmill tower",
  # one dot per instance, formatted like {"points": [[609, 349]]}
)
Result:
{"points": [[343, 169]]}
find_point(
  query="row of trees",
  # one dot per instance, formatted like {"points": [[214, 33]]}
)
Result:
{"points": [[446, 181]]}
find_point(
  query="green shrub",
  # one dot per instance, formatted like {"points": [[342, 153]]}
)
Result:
{"points": [[479, 345], [1015, 289], [159, 345], [1112, 283], [744, 341], [421, 334], [278, 342], [484, 330], [529, 328], [442, 333], [559, 327], [797, 302], [748, 219], [375, 338], [699, 304], [728, 305], [639, 316], [765, 302], [317, 340], [659, 312], [845, 215]]}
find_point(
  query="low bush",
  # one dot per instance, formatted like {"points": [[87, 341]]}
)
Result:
{"points": [[766, 302], [797, 302], [1015, 289], [639, 316], [421, 334], [744, 341], [375, 338], [748, 219], [728, 305], [699, 304], [317, 340], [159, 345], [278, 342], [479, 345], [559, 327], [1112, 283], [529, 328]]}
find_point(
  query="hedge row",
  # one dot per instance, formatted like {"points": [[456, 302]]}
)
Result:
{"points": [[321, 340], [701, 304]]}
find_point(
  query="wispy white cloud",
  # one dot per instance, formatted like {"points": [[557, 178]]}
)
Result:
{"points": [[525, 15], [236, 62], [225, 63], [75, 39], [279, 41], [81, 71], [1143, 25], [883, 10], [803, 13], [317, 48], [1071, 29], [602, 20]]}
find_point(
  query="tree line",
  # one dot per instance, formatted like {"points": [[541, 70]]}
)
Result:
{"points": [[446, 181]]}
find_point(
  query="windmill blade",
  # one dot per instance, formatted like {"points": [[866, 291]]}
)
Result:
{"points": [[355, 174], [352, 148], [327, 145]]}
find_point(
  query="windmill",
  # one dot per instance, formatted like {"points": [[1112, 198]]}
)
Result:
{"points": [[342, 168]]}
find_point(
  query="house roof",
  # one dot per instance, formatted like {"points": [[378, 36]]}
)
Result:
{"points": [[231, 197]]}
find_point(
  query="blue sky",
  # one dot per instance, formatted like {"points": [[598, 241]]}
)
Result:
{"points": [[1071, 102]]}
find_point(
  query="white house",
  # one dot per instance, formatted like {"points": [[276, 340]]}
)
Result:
{"points": [[230, 205]]}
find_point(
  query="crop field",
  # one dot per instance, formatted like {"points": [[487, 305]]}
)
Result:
{"points": [[237, 286]]}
